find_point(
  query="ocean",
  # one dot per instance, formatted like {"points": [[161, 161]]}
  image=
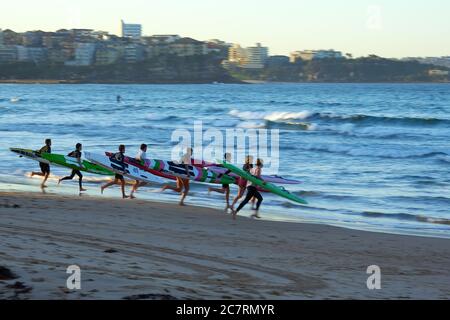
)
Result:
{"points": [[371, 157]]}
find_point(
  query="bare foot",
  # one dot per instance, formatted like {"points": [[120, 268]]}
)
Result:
{"points": [[132, 197], [182, 204], [125, 196], [43, 186], [102, 189], [31, 174], [82, 190], [59, 182]]}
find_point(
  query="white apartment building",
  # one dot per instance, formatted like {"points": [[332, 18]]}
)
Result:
{"points": [[256, 57], [250, 58], [131, 30]]}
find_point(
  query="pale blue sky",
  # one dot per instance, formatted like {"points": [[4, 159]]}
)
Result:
{"points": [[391, 28]]}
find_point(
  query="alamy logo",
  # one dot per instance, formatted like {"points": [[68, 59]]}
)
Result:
{"points": [[374, 281], [74, 280], [211, 144]]}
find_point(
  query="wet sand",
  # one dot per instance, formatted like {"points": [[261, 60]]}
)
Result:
{"points": [[139, 249]]}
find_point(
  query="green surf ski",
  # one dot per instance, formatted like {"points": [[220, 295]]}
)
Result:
{"points": [[72, 163], [265, 185]]}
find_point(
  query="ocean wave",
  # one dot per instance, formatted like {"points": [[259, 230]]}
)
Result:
{"points": [[369, 119], [444, 158], [406, 217], [329, 117], [378, 153], [251, 125], [270, 116]]}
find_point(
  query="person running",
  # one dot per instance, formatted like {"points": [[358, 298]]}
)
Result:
{"points": [[77, 155], [252, 191], [183, 184], [119, 156], [225, 187], [140, 157], [242, 183], [45, 167]]}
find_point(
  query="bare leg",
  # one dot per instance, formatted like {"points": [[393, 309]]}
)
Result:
{"points": [[238, 197], [45, 180], [227, 198], [177, 189], [122, 185], [135, 187], [109, 184], [40, 174], [186, 186]]}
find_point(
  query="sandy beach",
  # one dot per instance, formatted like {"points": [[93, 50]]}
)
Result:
{"points": [[144, 250]]}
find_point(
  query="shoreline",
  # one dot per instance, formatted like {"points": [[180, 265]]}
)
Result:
{"points": [[142, 248]]}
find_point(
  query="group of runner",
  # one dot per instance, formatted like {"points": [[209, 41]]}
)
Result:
{"points": [[182, 183]]}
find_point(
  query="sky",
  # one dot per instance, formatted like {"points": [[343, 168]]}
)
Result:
{"points": [[389, 28]]}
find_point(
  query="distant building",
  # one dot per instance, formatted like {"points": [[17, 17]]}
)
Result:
{"points": [[218, 46], [31, 54], [250, 58], [438, 73], [162, 38], [101, 35], [11, 38], [188, 47], [84, 55], [107, 55], [256, 57], [1, 37], [237, 55], [134, 53], [33, 38], [308, 55], [133, 31], [8, 54]]}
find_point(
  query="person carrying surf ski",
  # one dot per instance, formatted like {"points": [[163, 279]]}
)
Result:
{"points": [[45, 167], [119, 157], [183, 184], [77, 155], [140, 157], [252, 191], [225, 187], [242, 183]]}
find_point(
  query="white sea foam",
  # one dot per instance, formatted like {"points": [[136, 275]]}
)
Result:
{"points": [[271, 116], [251, 125]]}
